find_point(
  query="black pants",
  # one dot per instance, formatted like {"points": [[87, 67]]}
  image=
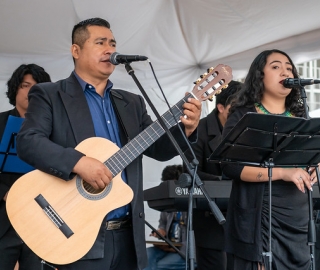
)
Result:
{"points": [[317, 246], [12, 249], [119, 254], [208, 259]]}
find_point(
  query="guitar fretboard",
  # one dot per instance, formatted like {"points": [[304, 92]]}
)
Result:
{"points": [[124, 156]]}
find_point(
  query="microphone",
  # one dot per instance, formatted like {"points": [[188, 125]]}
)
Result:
{"points": [[117, 58], [184, 180], [290, 82]]}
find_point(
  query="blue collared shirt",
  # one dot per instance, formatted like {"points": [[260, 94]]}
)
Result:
{"points": [[105, 125]]}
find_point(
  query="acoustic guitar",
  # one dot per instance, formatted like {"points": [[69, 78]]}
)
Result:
{"points": [[60, 220]]}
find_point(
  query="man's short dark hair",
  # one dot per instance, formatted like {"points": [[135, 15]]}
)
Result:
{"points": [[80, 31], [224, 97], [171, 172], [37, 73]]}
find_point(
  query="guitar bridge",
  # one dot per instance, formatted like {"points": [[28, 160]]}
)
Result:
{"points": [[53, 216]]}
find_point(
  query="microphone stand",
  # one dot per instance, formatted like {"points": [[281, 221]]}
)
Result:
{"points": [[214, 208], [43, 263], [311, 224], [164, 239]]}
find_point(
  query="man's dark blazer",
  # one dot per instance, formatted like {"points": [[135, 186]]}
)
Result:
{"points": [[6, 180], [208, 232], [58, 118]]}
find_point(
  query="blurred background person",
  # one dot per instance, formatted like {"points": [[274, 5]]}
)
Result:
{"points": [[12, 249], [173, 226], [209, 234]]}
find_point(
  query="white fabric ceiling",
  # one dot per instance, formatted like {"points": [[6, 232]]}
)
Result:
{"points": [[181, 38]]}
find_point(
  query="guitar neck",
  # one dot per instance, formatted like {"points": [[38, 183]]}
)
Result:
{"points": [[122, 158]]}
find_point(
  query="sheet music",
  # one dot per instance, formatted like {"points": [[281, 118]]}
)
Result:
{"points": [[9, 161]]}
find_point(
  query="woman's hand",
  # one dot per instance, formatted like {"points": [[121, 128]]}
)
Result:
{"points": [[313, 174], [300, 177]]}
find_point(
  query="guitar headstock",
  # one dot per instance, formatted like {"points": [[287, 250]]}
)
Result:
{"points": [[212, 83]]}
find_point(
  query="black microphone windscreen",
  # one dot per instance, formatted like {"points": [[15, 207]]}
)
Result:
{"points": [[117, 58], [184, 180]]}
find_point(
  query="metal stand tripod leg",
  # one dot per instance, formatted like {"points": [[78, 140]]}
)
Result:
{"points": [[269, 253], [311, 232]]}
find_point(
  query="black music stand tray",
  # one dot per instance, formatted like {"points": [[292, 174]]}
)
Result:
{"points": [[9, 161], [269, 141]]}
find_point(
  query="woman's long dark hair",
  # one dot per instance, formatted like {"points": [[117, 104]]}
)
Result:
{"points": [[253, 88]]}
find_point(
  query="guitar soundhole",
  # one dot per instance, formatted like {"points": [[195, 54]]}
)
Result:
{"points": [[89, 192], [90, 189]]}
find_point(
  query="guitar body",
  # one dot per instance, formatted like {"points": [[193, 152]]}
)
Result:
{"points": [[81, 210]]}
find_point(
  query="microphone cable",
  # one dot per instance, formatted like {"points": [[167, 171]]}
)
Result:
{"points": [[175, 119]]}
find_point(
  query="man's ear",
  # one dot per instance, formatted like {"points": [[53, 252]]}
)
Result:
{"points": [[220, 108], [75, 51]]}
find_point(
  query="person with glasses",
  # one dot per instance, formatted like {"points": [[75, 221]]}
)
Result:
{"points": [[12, 249]]}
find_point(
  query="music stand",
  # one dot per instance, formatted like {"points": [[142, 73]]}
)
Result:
{"points": [[270, 141], [9, 161]]}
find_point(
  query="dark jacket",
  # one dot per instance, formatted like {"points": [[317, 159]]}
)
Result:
{"points": [[243, 226], [59, 118], [208, 232], [6, 179]]}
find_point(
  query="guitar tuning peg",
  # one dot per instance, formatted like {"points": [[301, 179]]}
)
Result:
{"points": [[218, 92], [210, 69], [204, 74], [224, 87], [201, 76], [197, 81], [210, 99]]}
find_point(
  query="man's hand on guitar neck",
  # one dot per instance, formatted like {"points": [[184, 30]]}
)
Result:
{"points": [[191, 118], [93, 172]]}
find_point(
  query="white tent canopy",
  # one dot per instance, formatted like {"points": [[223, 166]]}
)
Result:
{"points": [[181, 38]]}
